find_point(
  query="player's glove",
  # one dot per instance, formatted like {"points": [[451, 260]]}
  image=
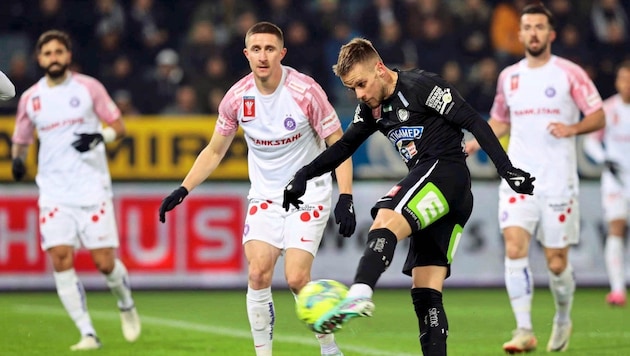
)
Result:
{"points": [[18, 169], [87, 141], [344, 215], [612, 167], [293, 191], [520, 181], [171, 201]]}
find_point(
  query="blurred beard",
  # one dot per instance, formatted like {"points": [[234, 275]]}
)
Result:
{"points": [[538, 52], [56, 73]]}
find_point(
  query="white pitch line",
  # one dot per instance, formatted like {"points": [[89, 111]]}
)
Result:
{"points": [[204, 328]]}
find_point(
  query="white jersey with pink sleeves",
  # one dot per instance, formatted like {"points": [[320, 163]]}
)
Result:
{"points": [[58, 114], [284, 131], [530, 99]]}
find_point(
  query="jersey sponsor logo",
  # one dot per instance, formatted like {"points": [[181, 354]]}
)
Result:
{"points": [[249, 107], [277, 142], [428, 205], [57, 124], [37, 104], [403, 139], [514, 82], [439, 99], [537, 111]]}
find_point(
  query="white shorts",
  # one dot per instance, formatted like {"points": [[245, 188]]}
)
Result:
{"points": [[302, 229], [554, 220], [614, 200], [90, 226]]}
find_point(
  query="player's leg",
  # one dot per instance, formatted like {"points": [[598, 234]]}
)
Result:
{"points": [[426, 294], [560, 229], [613, 255], [58, 228], [100, 236]]}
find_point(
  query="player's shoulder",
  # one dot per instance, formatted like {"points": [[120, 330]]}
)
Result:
{"points": [[567, 65], [512, 68], [32, 90], [85, 79], [298, 81], [612, 100], [240, 88]]}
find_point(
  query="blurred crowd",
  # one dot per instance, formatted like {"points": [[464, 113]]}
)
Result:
{"points": [[179, 57]]}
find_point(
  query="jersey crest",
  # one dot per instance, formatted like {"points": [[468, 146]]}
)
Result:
{"points": [[249, 106]]}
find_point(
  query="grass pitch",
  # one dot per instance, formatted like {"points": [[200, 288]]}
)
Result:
{"points": [[215, 323]]}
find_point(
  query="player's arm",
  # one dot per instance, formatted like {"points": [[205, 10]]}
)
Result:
{"points": [[499, 128], [590, 123], [7, 89], [344, 209], [18, 154], [205, 163], [343, 172]]}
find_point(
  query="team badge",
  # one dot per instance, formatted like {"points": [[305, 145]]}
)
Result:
{"points": [[403, 114], [249, 106], [37, 105], [74, 102], [514, 82], [289, 123], [550, 92]]}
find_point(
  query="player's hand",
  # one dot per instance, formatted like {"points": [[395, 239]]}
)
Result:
{"points": [[171, 201], [87, 141], [18, 169], [344, 215], [520, 181], [612, 167], [293, 191]]}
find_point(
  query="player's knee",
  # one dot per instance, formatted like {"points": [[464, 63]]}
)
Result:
{"points": [[105, 266], [296, 281], [556, 266], [259, 278]]}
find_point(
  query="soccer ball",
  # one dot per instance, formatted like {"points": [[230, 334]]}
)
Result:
{"points": [[317, 298]]}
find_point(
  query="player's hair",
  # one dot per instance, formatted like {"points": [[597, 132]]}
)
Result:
{"points": [[539, 8], [51, 35], [624, 65], [265, 27], [358, 50]]}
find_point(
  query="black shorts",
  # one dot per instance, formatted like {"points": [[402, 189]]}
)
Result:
{"points": [[436, 200]]}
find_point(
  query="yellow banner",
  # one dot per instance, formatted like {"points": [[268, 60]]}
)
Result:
{"points": [[155, 148]]}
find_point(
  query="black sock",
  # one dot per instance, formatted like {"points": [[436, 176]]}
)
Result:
{"points": [[377, 256], [431, 320]]}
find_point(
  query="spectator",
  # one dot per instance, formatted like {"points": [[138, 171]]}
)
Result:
{"points": [[199, 46], [484, 75], [124, 101], [222, 14], [303, 53], [161, 82], [436, 41], [238, 67], [379, 12], [397, 51], [122, 76], [148, 29], [472, 29], [185, 103], [504, 28], [214, 76]]}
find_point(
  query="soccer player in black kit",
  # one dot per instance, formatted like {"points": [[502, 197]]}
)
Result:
{"points": [[423, 116]]}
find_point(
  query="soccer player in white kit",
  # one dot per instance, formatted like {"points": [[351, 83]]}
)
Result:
{"points": [[7, 89], [288, 121], [67, 110], [610, 146], [538, 102]]}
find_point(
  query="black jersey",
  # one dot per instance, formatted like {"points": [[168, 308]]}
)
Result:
{"points": [[423, 119]]}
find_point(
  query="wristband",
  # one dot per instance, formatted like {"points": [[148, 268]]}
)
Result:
{"points": [[109, 134]]}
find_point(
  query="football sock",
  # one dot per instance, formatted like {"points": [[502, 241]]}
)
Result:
{"points": [[118, 283], [72, 295], [562, 287], [613, 255], [377, 256], [520, 289], [432, 320], [261, 314], [360, 290]]}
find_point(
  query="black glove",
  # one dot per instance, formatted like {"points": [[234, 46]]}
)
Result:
{"points": [[344, 215], [293, 191], [520, 181], [613, 167], [86, 141], [18, 169], [171, 201]]}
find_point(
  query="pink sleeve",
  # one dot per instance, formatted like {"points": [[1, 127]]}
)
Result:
{"points": [[313, 101], [583, 91], [500, 111], [104, 106], [24, 127], [227, 123]]}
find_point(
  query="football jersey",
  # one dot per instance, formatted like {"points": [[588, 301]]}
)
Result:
{"points": [[529, 99], [58, 114], [284, 130]]}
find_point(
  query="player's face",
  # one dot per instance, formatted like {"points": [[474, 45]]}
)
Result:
{"points": [[536, 34], [264, 52], [366, 82], [622, 83], [54, 58]]}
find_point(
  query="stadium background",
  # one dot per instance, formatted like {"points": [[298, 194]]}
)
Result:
{"points": [[167, 64]]}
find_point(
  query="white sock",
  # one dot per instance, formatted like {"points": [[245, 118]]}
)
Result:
{"points": [[613, 254], [562, 287], [262, 317], [360, 290], [118, 283], [72, 295], [327, 344], [520, 288]]}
